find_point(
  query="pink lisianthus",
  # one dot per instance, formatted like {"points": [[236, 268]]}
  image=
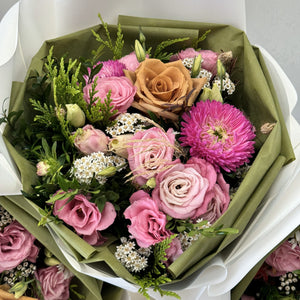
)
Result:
{"points": [[83, 215], [284, 259], [149, 151], [219, 202], [95, 239], [122, 92], [147, 222], [173, 252], [16, 244], [91, 140], [182, 190], [55, 282], [219, 133]]}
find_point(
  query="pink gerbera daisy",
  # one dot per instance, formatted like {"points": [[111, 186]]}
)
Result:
{"points": [[219, 133]]}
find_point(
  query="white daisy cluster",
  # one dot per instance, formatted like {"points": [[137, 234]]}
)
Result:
{"points": [[186, 240], [87, 167], [126, 123], [188, 63], [133, 260], [5, 217], [23, 270], [228, 85], [287, 283]]}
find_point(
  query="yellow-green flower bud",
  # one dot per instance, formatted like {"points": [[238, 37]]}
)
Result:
{"points": [[216, 93], [47, 253], [151, 183], [19, 289], [139, 51], [51, 261], [108, 172], [75, 115], [220, 69], [196, 68]]}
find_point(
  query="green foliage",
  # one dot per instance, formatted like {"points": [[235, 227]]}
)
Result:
{"points": [[10, 118], [157, 275], [41, 87], [48, 217], [116, 48], [165, 56], [201, 39]]}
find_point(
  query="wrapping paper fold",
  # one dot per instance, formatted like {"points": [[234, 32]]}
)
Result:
{"points": [[254, 95]]}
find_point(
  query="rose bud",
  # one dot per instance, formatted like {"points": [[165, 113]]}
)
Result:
{"points": [[42, 168], [91, 140], [75, 115]]}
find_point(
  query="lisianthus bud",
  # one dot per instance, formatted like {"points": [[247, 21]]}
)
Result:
{"points": [[196, 68], [118, 144], [75, 115], [19, 289], [212, 94], [51, 261], [220, 69], [42, 168], [108, 172], [139, 51], [151, 183]]}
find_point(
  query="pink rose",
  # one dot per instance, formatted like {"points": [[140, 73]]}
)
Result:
{"points": [[122, 92], [83, 215], [285, 258], [130, 61], [91, 140], [181, 191], [54, 282], [16, 245], [173, 252], [219, 202], [147, 222], [42, 168], [149, 151]]}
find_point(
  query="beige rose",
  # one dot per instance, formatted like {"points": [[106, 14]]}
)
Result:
{"points": [[164, 88]]}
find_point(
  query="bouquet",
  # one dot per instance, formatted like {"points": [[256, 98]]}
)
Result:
{"points": [[153, 153], [278, 277]]}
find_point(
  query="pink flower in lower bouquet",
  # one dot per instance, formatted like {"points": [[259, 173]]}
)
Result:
{"points": [[185, 190], [54, 282], [284, 259], [149, 151], [91, 140], [16, 245], [147, 222], [173, 252], [121, 88], [83, 215]]}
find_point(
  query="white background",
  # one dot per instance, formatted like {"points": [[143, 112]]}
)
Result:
{"points": [[273, 24]]}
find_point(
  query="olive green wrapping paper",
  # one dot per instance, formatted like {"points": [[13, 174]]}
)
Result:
{"points": [[254, 95]]}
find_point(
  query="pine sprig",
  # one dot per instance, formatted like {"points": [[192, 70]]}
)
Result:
{"points": [[116, 48], [159, 54]]}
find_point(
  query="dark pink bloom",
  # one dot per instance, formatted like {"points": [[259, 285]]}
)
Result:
{"points": [[83, 215], [147, 222], [111, 68], [122, 92], [16, 245], [54, 282], [219, 133]]}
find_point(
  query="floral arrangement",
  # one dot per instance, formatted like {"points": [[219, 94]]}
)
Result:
{"points": [[141, 155], [278, 277], [27, 269]]}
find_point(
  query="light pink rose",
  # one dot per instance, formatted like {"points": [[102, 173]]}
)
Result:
{"points": [[122, 92], [219, 200], [130, 61], [181, 191], [83, 215], [147, 222], [16, 244], [173, 252], [54, 282], [91, 140], [209, 58], [149, 151], [42, 168], [285, 258]]}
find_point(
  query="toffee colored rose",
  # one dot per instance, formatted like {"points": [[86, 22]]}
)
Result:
{"points": [[164, 89], [83, 215], [149, 151], [285, 258], [122, 92], [147, 222], [91, 140], [16, 244], [54, 282], [185, 190]]}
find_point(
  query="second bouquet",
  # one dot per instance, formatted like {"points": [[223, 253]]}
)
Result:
{"points": [[146, 149]]}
